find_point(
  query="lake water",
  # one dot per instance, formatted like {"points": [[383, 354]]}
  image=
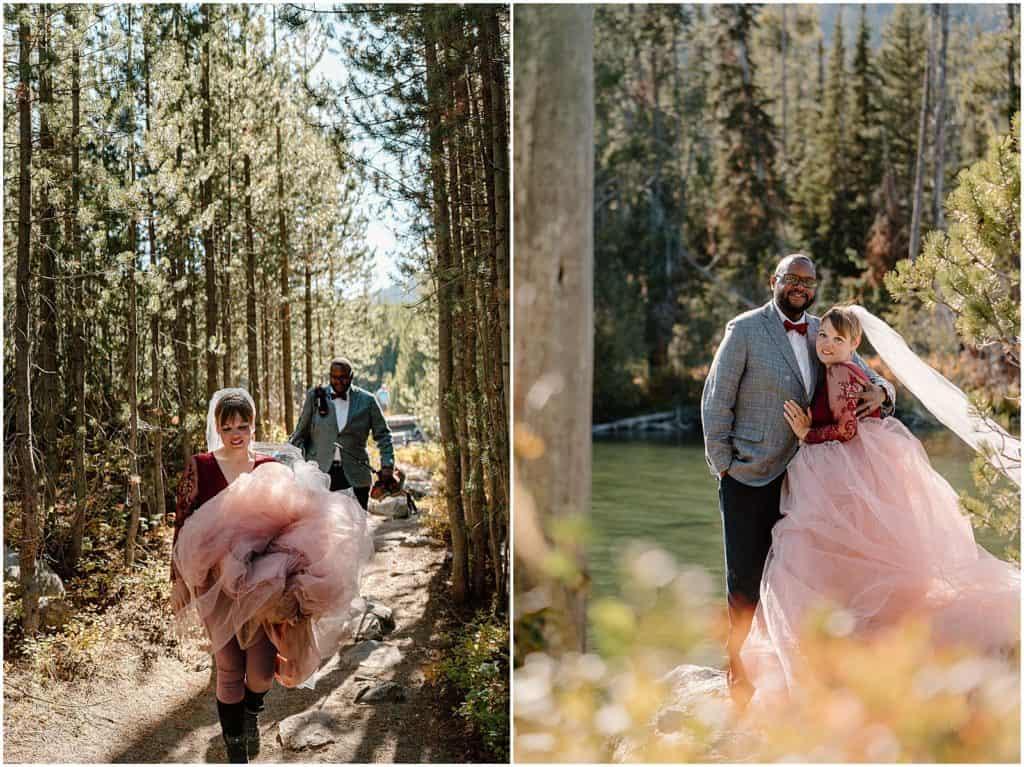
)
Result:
{"points": [[662, 491]]}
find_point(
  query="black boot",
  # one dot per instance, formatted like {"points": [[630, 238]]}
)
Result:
{"points": [[231, 725], [235, 746], [253, 706]]}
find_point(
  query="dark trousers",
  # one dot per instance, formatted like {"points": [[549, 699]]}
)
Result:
{"points": [[339, 482], [748, 516]]}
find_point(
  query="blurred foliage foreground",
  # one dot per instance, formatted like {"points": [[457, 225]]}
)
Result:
{"points": [[646, 693]]}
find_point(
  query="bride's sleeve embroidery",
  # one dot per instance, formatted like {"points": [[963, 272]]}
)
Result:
{"points": [[188, 489], [843, 391]]}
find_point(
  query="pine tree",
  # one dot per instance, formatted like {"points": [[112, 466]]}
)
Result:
{"points": [[835, 234], [865, 162], [748, 195], [973, 270], [902, 60]]}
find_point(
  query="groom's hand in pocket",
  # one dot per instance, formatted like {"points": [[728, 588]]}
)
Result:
{"points": [[871, 399]]}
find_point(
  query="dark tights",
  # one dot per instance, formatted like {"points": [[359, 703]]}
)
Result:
{"points": [[237, 669]]}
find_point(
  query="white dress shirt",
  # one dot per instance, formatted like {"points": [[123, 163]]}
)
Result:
{"points": [[799, 344], [341, 411]]}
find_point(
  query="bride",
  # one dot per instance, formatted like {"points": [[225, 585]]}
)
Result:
{"points": [[267, 560], [869, 526]]}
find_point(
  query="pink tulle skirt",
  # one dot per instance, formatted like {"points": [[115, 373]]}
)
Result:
{"points": [[872, 528], [276, 553]]}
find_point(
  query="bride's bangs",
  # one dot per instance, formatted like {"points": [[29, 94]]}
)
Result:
{"points": [[844, 321]]}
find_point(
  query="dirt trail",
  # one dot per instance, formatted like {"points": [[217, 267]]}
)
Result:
{"points": [[152, 708]]}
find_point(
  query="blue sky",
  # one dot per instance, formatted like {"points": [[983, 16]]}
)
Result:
{"points": [[382, 234]]}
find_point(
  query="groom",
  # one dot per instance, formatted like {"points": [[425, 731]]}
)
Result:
{"points": [[344, 414], [766, 357]]}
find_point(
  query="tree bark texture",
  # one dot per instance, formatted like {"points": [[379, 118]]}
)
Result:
{"points": [[206, 190], [922, 140], [553, 139], [22, 344], [436, 103], [939, 145]]}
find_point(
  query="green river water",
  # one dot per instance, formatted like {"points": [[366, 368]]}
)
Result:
{"points": [[661, 491]]}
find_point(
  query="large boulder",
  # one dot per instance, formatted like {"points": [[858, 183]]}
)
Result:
{"points": [[378, 620], [390, 508], [696, 693], [308, 729], [372, 656], [50, 584], [382, 692]]}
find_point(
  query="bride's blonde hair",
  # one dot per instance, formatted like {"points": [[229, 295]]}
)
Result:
{"points": [[845, 322]]}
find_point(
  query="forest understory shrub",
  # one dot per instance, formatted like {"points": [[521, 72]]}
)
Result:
{"points": [[893, 696], [476, 664]]}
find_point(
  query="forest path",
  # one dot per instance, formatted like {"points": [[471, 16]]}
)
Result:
{"points": [[149, 707]]}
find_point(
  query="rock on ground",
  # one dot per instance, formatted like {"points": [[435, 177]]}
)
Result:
{"points": [[373, 655], [696, 692], [385, 692], [310, 729]]}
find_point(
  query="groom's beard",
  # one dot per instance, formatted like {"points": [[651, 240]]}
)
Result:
{"points": [[797, 308]]}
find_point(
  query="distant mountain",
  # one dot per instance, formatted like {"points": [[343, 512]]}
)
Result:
{"points": [[396, 294], [988, 16]]}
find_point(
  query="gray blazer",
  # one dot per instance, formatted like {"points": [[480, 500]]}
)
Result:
{"points": [[316, 434], [753, 374]]}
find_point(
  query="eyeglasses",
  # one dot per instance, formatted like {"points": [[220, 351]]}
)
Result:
{"points": [[791, 279]]}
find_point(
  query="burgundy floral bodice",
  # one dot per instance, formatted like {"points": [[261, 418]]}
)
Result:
{"points": [[834, 407], [202, 480]]}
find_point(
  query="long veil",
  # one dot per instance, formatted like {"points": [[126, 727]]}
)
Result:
{"points": [[942, 398]]}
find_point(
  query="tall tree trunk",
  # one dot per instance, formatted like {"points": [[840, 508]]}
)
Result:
{"points": [[554, 124], [196, 341], [252, 352], [939, 146], [436, 106], [209, 261], [1012, 64], [285, 308], [267, 378], [182, 353], [318, 290], [134, 479], [308, 313], [156, 381], [48, 309], [492, 297], [498, 84], [783, 123], [456, 273], [471, 403], [77, 350], [182, 281], [22, 345], [922, 140], [227, 364], [229, 236]]}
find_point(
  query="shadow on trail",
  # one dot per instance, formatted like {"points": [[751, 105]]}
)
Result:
{"points": [[414, 744], [156, 742]]}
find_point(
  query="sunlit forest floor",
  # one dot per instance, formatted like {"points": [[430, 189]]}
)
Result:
{"points": [[122, 688]]}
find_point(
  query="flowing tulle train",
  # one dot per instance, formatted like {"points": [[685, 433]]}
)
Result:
{"points": [[869, 526], [276, 552]]}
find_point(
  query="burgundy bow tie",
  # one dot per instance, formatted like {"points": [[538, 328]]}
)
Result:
{"points": [[335, 395], [799, 327]]}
